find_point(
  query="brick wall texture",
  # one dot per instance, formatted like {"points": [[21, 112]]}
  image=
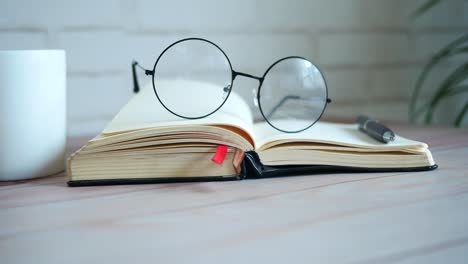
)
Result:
{"points": [[371, 51]]}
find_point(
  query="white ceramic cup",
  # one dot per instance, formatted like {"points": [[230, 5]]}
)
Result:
{"points": [[32, 113]]}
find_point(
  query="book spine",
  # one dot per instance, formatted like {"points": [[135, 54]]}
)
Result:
{"points": [[252, 167]]}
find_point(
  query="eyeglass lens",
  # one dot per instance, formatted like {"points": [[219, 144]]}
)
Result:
{"points": [[203, 68], [293, 94]]}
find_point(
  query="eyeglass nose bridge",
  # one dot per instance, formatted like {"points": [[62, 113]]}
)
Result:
{"points": [[235, 74], [255, 91]]}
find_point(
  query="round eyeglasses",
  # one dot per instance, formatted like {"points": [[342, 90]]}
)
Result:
{"points": [[291, 89]]}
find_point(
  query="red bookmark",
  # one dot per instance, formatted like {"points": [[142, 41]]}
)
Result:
{"points": [[220, 155]]}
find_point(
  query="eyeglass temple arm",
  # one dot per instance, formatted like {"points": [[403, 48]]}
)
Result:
{"points": [[136, 86], [286, 98]]}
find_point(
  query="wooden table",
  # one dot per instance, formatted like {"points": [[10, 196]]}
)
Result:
{"points": [[338, 218]]}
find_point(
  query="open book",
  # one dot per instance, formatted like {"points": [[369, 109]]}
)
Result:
{"points": [[146, 143]]}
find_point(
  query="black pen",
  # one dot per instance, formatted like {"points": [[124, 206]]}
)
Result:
{"points": [[375, 129]]}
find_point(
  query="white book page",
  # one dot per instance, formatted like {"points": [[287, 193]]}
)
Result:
{"points": [[145, 111], [331, 133]]}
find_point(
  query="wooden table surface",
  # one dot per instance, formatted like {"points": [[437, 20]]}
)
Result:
{"points": [[417, 217]]}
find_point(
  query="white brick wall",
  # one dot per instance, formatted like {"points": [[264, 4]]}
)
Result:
{"points": [[58, 13], [363, 48], [23, 39], [370, 50], [96, 51]]}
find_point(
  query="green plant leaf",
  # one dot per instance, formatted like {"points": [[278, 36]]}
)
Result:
{"points": [[451, 85], [454, 91], [450, 50], [413, 112], [461, 115], [429, 4], [454, 79], [457, 90]]}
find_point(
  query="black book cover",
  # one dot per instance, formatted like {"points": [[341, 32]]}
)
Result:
{"points": [[252, 168]]}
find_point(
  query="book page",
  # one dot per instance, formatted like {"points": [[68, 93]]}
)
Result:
{"points": [[145, 111], [330, 133]]}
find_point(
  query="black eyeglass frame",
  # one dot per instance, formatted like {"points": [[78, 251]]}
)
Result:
{"points": [[234, 74]]}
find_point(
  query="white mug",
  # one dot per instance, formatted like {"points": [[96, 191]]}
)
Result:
{"points": [[32, 113]]}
